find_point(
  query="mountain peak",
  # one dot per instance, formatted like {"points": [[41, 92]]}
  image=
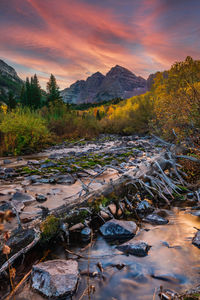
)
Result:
{"points": [[118, 82]]}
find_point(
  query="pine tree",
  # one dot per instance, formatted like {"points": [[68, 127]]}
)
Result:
{"points": [[35, 92], [28, 93], [11, 101], [53, 92], [23, 98]]}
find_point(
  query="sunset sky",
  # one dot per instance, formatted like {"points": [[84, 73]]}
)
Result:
{"points": [[75, 38]]}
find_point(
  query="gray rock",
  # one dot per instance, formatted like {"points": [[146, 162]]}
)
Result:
{"points": [[49, 164], [7, 161], [55, 278], [41, 198], [18, 240], [196, 239], [135, 248], [86, 234], [196, 213], [116, 229], [144, 207], [155, 219], [65, 179], [22, 197]]}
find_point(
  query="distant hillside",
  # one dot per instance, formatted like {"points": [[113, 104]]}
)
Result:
{"points": [[9, 81], [119, 82]]}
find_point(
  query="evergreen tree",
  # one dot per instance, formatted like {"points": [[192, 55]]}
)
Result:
{"points": [[28, 93], [53, 92], [23, 96], [35, 92], [11, 101]]}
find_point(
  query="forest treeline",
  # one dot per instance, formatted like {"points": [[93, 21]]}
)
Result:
{"points": [[171, 109]]}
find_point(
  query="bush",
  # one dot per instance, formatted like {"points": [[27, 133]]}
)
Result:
{"points": [[23, 131]]}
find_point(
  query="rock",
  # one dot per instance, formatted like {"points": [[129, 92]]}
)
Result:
{"points": [[49, 164], [19, 158], [86, 234], [41, 198], [9, 170], [144, 207], [116, 229], [135, 248], [104, 215], [75, 227], [7, 161], [196, 213], [112, 208], [33, 178], [190, 196], [18, 240], [55, 278], [33, 162], [5, 206], [22, 197], [196, 239], [155, 219], [65, 179]]}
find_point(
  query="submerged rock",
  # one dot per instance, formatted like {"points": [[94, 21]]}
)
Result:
{"points": [[196, 239], [55, 278], [116, 229], [135, 248], [155, 219]]}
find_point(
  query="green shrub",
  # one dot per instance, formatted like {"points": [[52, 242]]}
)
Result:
{"points": [[23, 131]]}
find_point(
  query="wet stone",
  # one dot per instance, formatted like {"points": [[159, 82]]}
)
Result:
{"points": [[65, 179], [155, 219], [118, 230], [23, 197], [135, 248], [55, 278], [41, 198], [144, 207], [18, 240], [86, 234], [7, 161], [196, 239], [49, 164]]}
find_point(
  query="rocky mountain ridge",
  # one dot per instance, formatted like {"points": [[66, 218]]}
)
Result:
{"points": [[119, 82]]}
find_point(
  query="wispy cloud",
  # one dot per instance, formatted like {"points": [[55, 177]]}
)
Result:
{"points": [[73, 38]]}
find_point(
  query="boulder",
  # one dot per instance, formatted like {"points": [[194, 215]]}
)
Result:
{"points": [[7, 161], [196, 239], [23, 197], [86, 234], [135, 248], [144, 207], [55, 278], [19, 239], [41, 198], [155, 219], [65, 179], [116, 229]]}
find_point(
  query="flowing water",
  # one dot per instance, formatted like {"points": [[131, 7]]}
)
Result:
{"points": [[173, 262]]}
